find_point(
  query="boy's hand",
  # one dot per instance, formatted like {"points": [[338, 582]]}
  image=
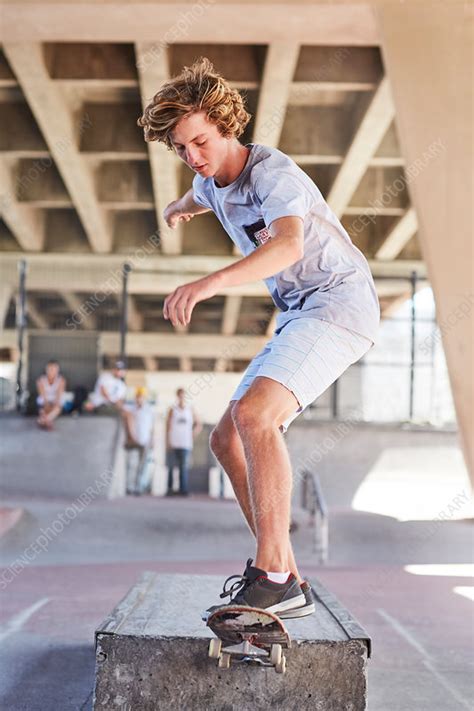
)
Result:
{"points": [[179, 305], [173, 214]]}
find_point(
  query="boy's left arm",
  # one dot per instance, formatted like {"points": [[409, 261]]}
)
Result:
{"points": [[281, 251]]}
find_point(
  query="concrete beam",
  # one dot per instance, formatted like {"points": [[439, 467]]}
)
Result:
{"points": [[399, 236], [25, 222], [392, 307], [230, 319], [392, 161], [272, 324], [308, 93], [170, 345], [374, 125], [55, 121], [164, 170], [185, 345], [151, 363], [278, 73], [325, 22], [135, 317], [94, 273], [33, 314], [185, 362], [74, 303]]}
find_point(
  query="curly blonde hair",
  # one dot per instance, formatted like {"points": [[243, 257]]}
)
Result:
{"points": [[198, 88]]}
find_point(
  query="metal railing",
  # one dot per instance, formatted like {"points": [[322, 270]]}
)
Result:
{"points": [[314, 502]]}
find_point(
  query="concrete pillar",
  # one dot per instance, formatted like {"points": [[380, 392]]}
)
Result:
{"points": [[427, 50]]}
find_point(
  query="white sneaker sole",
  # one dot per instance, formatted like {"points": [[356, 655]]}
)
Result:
{"points": [[291, 604], [298, 612]]}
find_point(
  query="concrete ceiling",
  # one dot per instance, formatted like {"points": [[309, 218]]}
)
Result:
{"points": [[81, 192]]}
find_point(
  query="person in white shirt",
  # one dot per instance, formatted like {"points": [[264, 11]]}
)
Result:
{"points": [[182, 425], [110, 390], [50, 400], [139, 429]]}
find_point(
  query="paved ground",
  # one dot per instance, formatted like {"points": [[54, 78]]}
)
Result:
{"points": [[421, 625]]}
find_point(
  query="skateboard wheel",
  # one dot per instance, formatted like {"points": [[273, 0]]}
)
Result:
{"points": [[224, 661], [280, 668], [215, 646], [276, 654]]}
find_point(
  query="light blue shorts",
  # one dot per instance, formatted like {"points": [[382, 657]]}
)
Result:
{"points": [[306, 356]]}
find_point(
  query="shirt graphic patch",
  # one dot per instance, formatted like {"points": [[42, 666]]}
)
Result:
{"points": [[258, 233]]}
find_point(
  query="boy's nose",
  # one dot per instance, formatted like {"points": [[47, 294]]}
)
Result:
{"points": [[193, 159]]}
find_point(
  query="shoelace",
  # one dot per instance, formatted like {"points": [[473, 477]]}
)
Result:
{"points": [[236, 587]]}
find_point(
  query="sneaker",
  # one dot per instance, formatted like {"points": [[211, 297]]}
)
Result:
{"points": [[307, 609], [207, 613], [254, 589]]}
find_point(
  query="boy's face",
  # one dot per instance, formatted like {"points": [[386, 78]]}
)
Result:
{"points": [[52, 370], [199, 144]]}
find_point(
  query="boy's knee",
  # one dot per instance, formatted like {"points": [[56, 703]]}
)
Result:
{"points": [[223, 435], [246, 414], [215, 440]]}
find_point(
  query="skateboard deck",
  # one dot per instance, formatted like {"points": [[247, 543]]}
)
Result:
{"points": [[248, 634]]}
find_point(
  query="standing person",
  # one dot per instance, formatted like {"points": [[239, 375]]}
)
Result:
{"points": [[139, 433], [50, 400], [318, 279], [182, 425], [110, 390]]}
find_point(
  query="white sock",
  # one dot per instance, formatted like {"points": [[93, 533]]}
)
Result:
{"points": [[278, 577]]}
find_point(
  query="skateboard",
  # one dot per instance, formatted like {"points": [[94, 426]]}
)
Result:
{"points": [[248, 634]]}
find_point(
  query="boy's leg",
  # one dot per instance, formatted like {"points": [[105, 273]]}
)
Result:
{"points": [[127, 418], [139, 467], [48, 414], [170, 460], [183, 471], [129, 469], [227, 446], [53, 412], [258, 416], [142, 468]]}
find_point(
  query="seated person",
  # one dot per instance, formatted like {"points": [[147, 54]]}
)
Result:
{"points": [[50, 400], [109, 392]]}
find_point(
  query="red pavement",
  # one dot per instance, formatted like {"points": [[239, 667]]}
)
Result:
{"points": [[421, 630]]}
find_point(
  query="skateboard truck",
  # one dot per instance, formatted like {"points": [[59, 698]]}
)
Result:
{"points": [[250, 635]]}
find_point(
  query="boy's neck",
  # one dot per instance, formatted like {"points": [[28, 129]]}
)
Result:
{"points": [[232, 166]]}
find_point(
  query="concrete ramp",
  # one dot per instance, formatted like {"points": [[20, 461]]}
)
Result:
{"points": [[151, 654]]}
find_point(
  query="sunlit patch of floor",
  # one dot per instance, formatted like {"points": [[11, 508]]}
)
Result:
{"points": [[414, 484], [465, 591], [452, 570]]}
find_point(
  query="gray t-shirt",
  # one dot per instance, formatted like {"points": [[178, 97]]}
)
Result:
{"points": [[332, 281]]}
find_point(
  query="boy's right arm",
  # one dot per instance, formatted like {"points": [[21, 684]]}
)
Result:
{"points": [[182, 210]]}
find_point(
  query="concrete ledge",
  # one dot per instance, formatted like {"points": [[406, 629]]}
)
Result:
{"points": [[151, 654]]}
